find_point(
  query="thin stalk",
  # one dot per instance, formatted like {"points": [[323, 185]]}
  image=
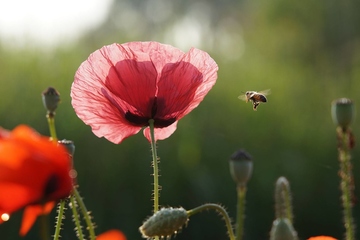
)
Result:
{"points": [[84, 211], [76, 218], [60, 216], [240, 216], [346, 184], [44, 227], [220, 210], [61, 206], [51, 122], [155, 162]]}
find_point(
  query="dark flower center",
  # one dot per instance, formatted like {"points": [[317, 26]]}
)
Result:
{"points": [[144, 121], [52, 185]]}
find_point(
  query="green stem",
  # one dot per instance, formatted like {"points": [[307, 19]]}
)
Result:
{"points": [[44, 227], [346, 184], [155, 166], [240, 216], [51, 122], [76, 218], [220, 210], [61, 208], [87, 217], [155, 162]]}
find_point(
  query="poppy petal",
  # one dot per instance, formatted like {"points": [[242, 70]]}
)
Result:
{"points": [[113, 80], [34, 152], [33, 170], [162, 54], [322, 238], [160, 133], [14, 196], [111, 235], [120, 87], [4, 133], [208, 67], [30, 215], [183, 85]]}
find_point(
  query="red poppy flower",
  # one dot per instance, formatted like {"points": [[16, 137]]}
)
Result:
{"points": [[322, 238], [111, 235], [34, 172], [120, 87]]}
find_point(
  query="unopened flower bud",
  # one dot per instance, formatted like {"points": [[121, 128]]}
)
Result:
{"points": [[342, 112], [164, 223], [283, 202], [51, 99], [241, 166], [282, 229]]}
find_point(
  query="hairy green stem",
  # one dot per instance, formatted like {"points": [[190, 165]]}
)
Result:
{"points": [[76, 218], [87, 217], [346, 184], [240, 216], [220, 210], [155, 162], [61, 208]]}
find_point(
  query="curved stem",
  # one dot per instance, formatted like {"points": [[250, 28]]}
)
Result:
{"points": [[220, 210], [76, 218], [241, 193], [90, 225]]}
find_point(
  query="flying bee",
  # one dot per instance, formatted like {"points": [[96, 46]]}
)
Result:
{"points": [[255, 97]]}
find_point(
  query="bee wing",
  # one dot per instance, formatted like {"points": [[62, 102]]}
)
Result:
{"points": [[242, 97], [265, 92]]}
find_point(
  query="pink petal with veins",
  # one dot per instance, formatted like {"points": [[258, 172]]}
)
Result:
{"points": [[120, 87]]}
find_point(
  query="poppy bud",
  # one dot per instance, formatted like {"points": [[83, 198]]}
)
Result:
{"points": [[51, 99], [282, 229], [241, 167], [283, 206], [342, 112], [164, 223]]}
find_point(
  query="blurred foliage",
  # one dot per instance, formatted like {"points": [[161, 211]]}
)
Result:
{"points": [[306, 52]]}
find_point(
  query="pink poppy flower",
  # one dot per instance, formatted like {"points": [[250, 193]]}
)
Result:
{"points": [[120, 87]]}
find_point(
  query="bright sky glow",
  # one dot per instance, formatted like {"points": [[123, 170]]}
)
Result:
{"points": [[49, 22]]}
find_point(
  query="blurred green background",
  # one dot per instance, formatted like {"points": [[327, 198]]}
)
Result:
{"points": [[308, 54]]}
